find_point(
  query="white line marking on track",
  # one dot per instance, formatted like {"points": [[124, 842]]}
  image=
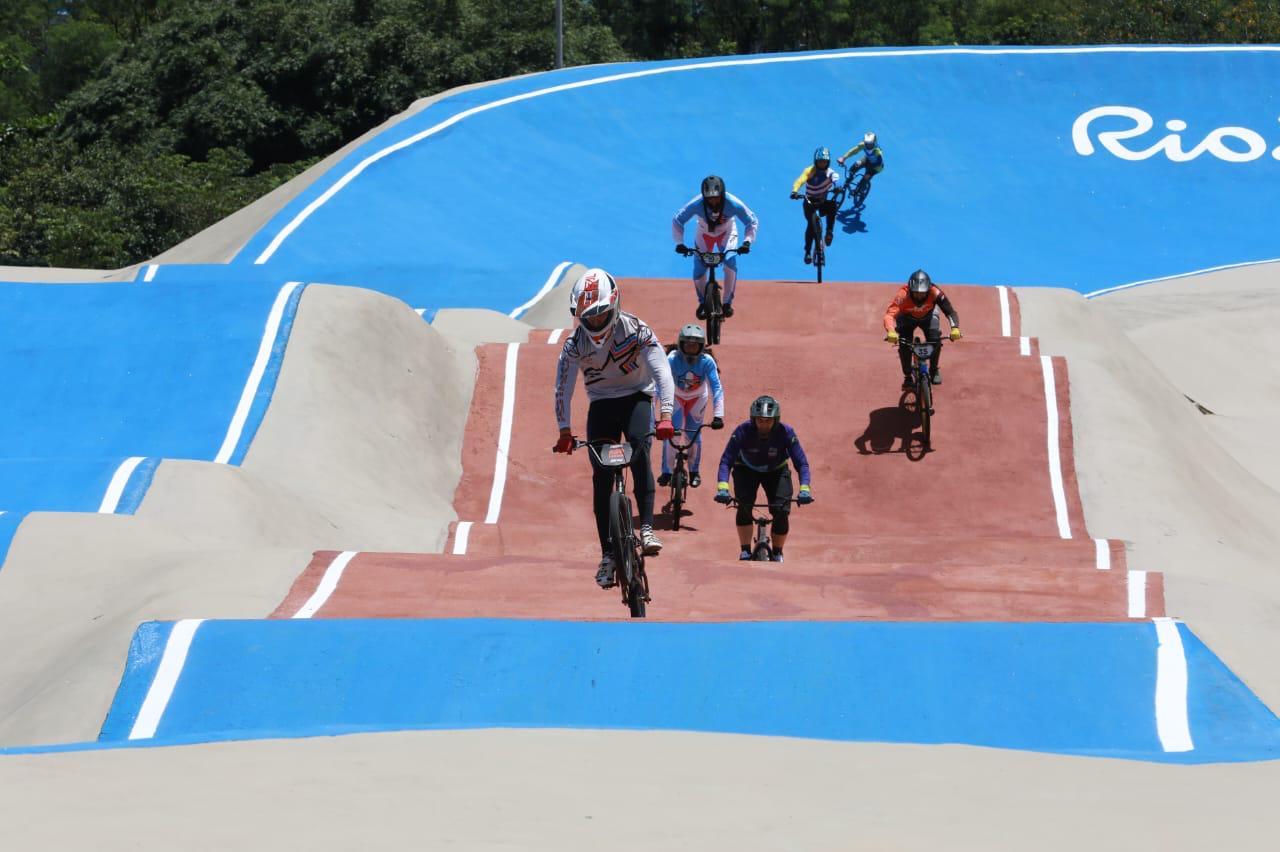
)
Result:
{"points": [[1005, 322], [1105, 290], [554, 337], [1172, 725], [1102, 554], [1055, 456], [255, 375], [152, 269], [328, 583], [504, 435], [461, 534], [167, 674], [420, 311], [111, 500], [1137, 594], [546, 288], [338, 185], [1024, 345]]}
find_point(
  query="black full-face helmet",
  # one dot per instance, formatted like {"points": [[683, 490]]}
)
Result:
{"points": [[713, 197], [918, 286]]}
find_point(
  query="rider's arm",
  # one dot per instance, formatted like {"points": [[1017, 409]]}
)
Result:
{"points": [[660, 369], [682, 217], [798, 457], [717, 392], [855, 149], [566, 380], [945, 304], [731, 451], [891, 314], [743, 212], [804, 176]]}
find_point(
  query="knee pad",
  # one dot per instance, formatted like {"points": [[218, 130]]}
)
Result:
{"points": [[781, 523], [744, 516]]}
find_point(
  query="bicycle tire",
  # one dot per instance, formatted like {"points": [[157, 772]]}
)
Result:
{"points": [[638, 595], [677, 497], [621, 538], [761, 553], [715, 313], [925, 402], [819, 249]]}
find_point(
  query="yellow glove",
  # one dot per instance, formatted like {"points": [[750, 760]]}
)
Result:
{"points": [[892, 337], [955, 333]]}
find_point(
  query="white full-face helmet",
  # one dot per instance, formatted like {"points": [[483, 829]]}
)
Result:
{"points": [[868, 141], [596, 302]]}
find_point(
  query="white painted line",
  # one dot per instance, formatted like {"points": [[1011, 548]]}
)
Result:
{"points": [[1118, 287], [546, 288], [255, 375], [461, 534], [1137, 594], [152, 269], [419, 311], [1102, 554], [504, 436], [554, 337], [1055, 457], [115, 490], [328, 583], [1024, 345], [161, 690], [1172, 724], [355, 172], [1005, 322]]}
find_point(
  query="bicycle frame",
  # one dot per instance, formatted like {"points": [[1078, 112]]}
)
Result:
{"points": [[712, 298], [679, 477], [761, 544]]}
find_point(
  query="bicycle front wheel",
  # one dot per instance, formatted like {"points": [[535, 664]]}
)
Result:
{"points": [[715, 313], [924, 396], [621, 538], [677, 497]]}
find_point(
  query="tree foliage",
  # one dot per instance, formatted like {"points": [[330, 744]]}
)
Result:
{"points": [[128, 125]]}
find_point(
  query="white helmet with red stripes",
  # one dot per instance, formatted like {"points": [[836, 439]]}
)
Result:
{"points": [[596, 302]]}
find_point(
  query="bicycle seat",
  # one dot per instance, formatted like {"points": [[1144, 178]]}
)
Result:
{"points": [[614, 455]]}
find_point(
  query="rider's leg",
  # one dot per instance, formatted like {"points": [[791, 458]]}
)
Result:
{"points": [[746, 482], [639, 421], [604, 423], [829, 210], [808, 227], [906, 328], [730, 268], [933, 334], [699, 279], [677, 420], [777, 486]]}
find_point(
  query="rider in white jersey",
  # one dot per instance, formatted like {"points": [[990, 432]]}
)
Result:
{"points": [[623, 367], [716, 214]]}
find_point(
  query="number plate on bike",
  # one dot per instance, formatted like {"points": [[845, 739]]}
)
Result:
{"points": [[923, 350], [615, 455]]}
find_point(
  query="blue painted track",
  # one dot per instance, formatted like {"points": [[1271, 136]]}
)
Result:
{"points": [[983, 181], [95, 374], [1068, 688]]}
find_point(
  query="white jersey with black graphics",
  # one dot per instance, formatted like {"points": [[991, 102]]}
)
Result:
{"points": [[631, 361]]}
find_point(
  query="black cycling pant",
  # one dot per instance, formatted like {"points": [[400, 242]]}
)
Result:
{"points": [[777, 492], [827, 208], [609, 420], [932, 326]]}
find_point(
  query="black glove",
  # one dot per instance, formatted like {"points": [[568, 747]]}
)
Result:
{"points": [[745, 248], [795, 196], [682, 249], [717, 423]]}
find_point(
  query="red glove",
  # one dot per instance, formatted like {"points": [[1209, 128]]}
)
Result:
{"points": [[565, 444], [664, 431]]}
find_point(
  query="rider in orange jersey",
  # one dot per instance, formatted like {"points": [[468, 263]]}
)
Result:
{"points": [[917, 304]]}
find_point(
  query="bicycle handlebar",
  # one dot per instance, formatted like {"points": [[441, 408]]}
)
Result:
{"points": [[579, 443], [711, 258], [692, 433]]}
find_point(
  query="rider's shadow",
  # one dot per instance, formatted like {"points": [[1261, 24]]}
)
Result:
{"points": [[851, 221], [887, 427]]}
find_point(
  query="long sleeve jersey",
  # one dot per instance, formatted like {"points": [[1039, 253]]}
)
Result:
{"points": [[816, 183], [720, 236], [693, 380], [632, 361], [902, 304], [747, 448]]}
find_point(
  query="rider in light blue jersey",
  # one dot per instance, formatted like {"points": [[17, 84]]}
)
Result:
{"points": [[716, 214], [696, 378]]}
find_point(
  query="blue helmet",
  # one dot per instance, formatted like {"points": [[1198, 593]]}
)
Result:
{"points": [[821, 154]]}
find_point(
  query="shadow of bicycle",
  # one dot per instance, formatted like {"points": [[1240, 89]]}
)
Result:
{"points": [[894, 430], [850, 220]]}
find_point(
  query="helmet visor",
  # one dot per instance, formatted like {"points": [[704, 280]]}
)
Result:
{"points": [[691, 347], [597, 321]]}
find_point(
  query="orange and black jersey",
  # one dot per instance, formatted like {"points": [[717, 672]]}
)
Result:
{"points": [[903, 304]]}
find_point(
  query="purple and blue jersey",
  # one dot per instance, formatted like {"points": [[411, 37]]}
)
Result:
{"points": [[748, 449]]}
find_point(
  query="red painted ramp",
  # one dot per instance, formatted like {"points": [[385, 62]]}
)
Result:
{"points": [[987, 525], [440, 586]]}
